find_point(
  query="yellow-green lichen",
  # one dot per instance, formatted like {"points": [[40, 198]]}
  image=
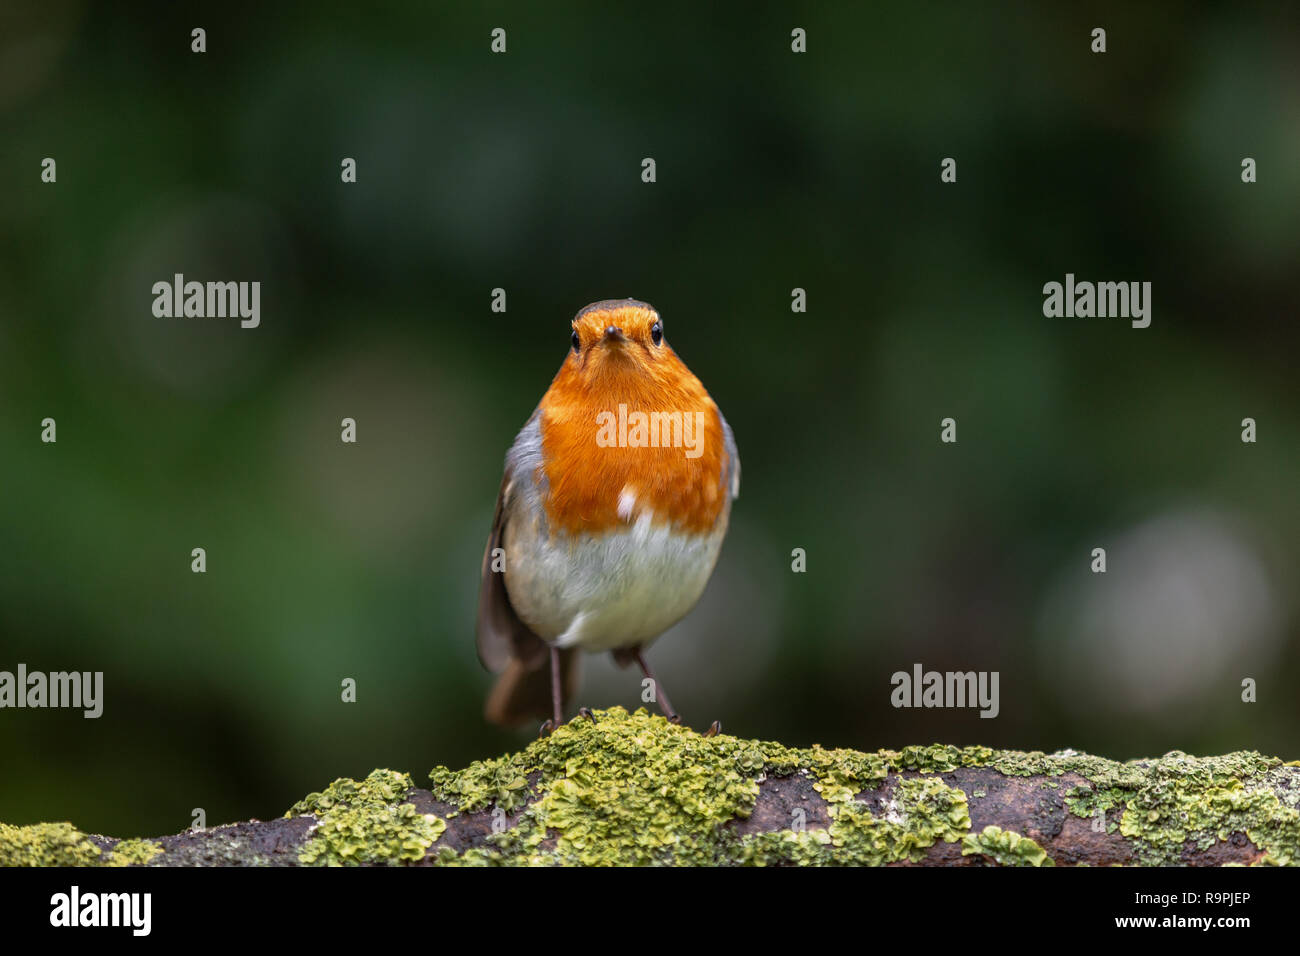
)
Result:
{"points": [[62, 844], [1005, 847], [381, 786], [46, 844], [834, 768], [133, 853], [940, 758], [500, 782], [367, 822], [918, 813], [784, 848], [634, 789], [626, 789], [1180, 804]]}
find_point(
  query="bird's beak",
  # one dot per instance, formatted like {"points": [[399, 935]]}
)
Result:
{"points": [[614, 334]]}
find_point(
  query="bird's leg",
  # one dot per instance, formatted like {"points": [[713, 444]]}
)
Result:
{"points": [[664, 704], [557, 694], [660, 697], [557, 713]]}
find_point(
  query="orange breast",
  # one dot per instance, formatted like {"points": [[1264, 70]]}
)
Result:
{"points": [[603, 469]]}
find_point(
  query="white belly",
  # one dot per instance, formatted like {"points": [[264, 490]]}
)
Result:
{"points": [[621, 588]]}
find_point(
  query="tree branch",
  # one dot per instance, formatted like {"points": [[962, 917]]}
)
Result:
{"points": [[634, 789]]}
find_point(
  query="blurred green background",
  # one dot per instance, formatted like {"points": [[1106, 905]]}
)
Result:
{"points": [[522, 171]]}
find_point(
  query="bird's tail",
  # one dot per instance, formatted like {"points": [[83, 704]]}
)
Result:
{"points": [[523, 691]]}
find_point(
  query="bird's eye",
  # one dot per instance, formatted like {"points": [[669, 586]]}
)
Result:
{"points": [[656, 333], [575, 340]]}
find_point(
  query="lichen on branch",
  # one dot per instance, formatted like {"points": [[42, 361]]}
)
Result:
{"points": [[633, 789]]}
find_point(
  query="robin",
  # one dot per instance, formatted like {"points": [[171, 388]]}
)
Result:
{"points": [[611, 514]]}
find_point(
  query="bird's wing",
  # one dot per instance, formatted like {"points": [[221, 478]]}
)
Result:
{"points": [[501, 636], [731, 463]]}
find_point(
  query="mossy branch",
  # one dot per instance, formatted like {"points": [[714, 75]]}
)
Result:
{"points": [[634, 789]]}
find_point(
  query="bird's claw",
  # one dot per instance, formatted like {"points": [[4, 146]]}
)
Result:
{"points": [[586, 712], [714, 729], [675, 719], [546, 729]]}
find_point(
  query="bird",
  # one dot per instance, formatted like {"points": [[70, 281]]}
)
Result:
{"points": [[611, 514]]}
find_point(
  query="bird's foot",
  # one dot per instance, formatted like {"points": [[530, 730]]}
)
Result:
{"points": [[714, 729], [586, 712], [546, 729]]}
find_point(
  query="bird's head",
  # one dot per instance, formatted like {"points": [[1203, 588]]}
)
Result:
{"points": [[616, 337]]}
